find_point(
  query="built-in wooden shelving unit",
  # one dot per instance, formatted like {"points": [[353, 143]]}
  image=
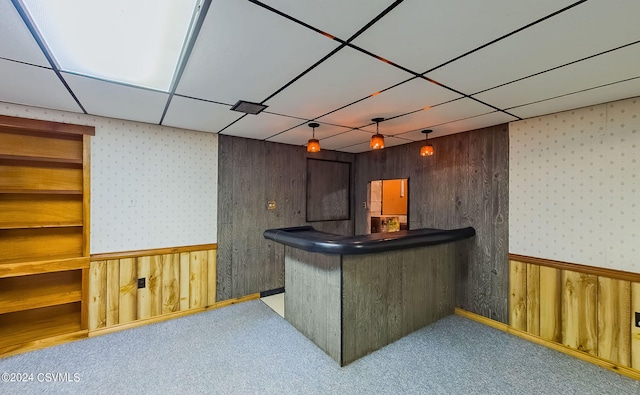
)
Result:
{"points": [[44, 232]]}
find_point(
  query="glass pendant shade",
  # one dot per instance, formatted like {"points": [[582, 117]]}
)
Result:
{"points": [[377, 141], [313, 145], [426, 150]]}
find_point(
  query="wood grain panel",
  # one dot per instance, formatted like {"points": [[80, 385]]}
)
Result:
{"points": [[614, 310], [579, 311], [113, 292], [518, 293], [550, 304], [98, 295], [185, 259], [20, 245], [198, 279], [211, 277], [19, 125], [328, 190], [154, 283], [533, 299], [128, 310], [40, 290], [18, 210], [170, 283], [86, 196], [26, 178], [39, 146], [635, 330], [144, 300]]}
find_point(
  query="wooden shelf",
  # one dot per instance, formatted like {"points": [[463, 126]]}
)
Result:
{"points": [[40, 159], [28, 326], [38, 226], [38, 267], [42, 191], [53, 295]]}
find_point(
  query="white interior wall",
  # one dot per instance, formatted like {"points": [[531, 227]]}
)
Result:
{"points": [[151, 186], [574, 188]]}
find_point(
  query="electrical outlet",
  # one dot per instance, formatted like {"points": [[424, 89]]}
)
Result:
{"points": [[364, 204], [637, 319], [142, 282]]}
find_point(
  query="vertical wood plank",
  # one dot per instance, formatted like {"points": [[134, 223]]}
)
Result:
{"points": [[113, 292], [184, 280], [533, 299], [551, 304], [579, 311], [154, 283], [84, 301], [614, 310], [144, 294], [97, 295], [635, 331], [127, 305], [170, 283], [518, 295], [86, 195], [197, 279], [211, 277]]}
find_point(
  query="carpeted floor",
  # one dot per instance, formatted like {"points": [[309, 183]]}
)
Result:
{"points": [[249, 349]]}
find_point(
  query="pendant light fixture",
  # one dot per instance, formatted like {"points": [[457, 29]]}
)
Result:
{"points": [[427, 148], [377, 140], [313, 145]]}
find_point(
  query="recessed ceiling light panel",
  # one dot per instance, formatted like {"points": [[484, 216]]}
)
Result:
{"points": [[133, 42]]}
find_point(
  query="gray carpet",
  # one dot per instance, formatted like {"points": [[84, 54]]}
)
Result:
{"points": [[249, 349]]}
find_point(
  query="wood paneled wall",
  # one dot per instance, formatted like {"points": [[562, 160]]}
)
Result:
{"points": [[175, 282], [464, 184], [586, 309], [250, 173]]}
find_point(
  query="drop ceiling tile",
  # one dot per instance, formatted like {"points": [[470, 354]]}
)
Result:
{"points": [[425, 119], [356, 149], [604, 94], [261, 126], [587, 29], [245, 52], [410, 96], [301, 134], [352, 137], [339, 18], [17, 43], [347, 76], [34, 86], [117, 101], [423, 34], [600, 70], [200, 115], [463, 125]]}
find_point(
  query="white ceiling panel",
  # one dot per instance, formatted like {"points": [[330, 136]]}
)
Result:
{"points": [[17, 43], [578, 76], [448, 112], [301, 134], [245, 52], [463, 125], [347, 76], [339, 18], [34, 86], [412, 95], [589, 28], [618, 91], [261, 126], [117, 101], [199, 115], [346, 139], [423, 34], [356, 149]]}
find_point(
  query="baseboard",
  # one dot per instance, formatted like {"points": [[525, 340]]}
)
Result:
{"points": [[170, 316], [270, 292], [629, 372]]}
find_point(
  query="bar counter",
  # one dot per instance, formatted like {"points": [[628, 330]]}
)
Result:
{"points": [[352, 295]]}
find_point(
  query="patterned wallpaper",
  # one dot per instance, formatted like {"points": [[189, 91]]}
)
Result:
{"points": [[574, 186], [151, 186]]}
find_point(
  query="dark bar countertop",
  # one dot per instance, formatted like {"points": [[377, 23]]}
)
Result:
{"points": [[308, 239]]}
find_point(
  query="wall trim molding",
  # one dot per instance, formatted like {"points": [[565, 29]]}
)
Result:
{"points": [[170, 316], [153, 251], [629, 372], [598, 271]]}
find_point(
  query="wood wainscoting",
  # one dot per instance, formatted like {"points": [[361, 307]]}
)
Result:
{"points": [[587, 309], [177, 281]]}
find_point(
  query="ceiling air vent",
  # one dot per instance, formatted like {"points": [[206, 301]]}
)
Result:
{"points": [[248, 107]]}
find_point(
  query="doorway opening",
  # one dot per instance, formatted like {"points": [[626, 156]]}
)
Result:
{"points": [[388, 205]]}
